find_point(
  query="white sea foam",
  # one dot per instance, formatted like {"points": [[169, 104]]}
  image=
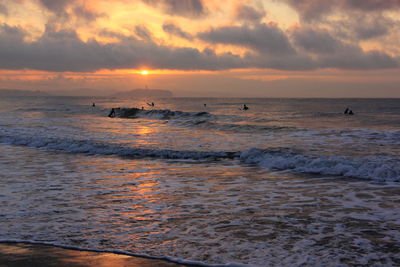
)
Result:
{"points": [[380, 168], [210, 213]]}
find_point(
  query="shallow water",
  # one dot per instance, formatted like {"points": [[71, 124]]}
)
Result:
{"points": [[280, 185]]}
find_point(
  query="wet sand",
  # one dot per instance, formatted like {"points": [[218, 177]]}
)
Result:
{"points": [[22, 254]]}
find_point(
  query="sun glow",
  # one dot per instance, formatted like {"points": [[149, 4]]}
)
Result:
{"points": [[144, 72]]}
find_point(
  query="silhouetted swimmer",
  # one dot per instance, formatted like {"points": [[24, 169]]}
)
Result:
{"points": [[351, 112], [142, 108], [112, 113], [151, 104], [205, 105], [245, 107], [346, 111], [94, 104]]}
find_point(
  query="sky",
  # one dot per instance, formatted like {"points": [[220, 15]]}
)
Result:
{"points": [[204, 48]]}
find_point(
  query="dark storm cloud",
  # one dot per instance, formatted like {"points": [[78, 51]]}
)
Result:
{"points": [[184, 8], [177, 31], [314, 9], [262, 38], [249, 13]]}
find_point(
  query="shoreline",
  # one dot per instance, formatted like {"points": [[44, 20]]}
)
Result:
{"points": [[16, 254]]}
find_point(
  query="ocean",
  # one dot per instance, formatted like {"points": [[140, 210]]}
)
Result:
{"points": [[289, 182]]}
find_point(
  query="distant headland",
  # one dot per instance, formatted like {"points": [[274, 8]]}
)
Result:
{"points": [[90, 92]]}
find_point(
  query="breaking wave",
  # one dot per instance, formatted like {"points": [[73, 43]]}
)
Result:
{"points": [[99, 148], [162, 114], [382, 168]]}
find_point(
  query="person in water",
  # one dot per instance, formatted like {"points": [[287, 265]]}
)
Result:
{"points": [[245, 107], [151, 104], [94, 104], [112, 113], [346, 111], [350, 112]]}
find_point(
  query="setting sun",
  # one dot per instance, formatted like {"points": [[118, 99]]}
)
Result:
{"points": [[144, 72]]}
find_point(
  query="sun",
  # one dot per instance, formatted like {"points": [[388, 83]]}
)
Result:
{"points": [[144, 72]]}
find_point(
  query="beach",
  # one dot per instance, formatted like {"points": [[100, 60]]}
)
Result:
{"points": [[24, 254]]}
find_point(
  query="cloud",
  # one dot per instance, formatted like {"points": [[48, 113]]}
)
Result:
{"points": [[86, 14], [315, 40], [369, 27], [372, 5], [248, 13], [354, 58], [184, 8], [263, 38], [177, 31], [311, 9], [58, 7], [64, 51], [64, 9], [143, 33], [315, 9], [3, 10], [330, 52]]}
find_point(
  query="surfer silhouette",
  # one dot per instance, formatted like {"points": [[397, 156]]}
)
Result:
{"points": [[151, 104], [346, 111], [245, 107], [112, 113]]}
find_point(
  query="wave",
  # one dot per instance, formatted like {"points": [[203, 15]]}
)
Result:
{"points": [[230, 127], [379, 168], [383, 168], [98, 148], [192, 119], [367, 135], [163, 114]]}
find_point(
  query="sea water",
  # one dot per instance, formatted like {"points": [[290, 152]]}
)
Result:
{"points": [[288, 182]]}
